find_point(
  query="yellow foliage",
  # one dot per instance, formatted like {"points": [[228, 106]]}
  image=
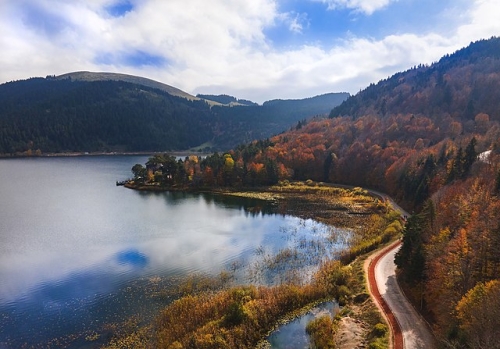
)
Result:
{"points": [[478, 313], [228, 163]]}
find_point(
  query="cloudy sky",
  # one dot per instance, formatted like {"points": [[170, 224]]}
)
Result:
{"points": [[251, 49]]}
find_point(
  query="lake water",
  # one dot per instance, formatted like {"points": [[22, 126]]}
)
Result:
{"points": [[78, 253]]}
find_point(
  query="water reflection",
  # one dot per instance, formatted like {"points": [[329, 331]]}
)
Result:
{"points": [[75, 257], [133, 258]]}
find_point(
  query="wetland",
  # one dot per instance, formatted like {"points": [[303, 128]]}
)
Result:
{"points": [[85, 263]]}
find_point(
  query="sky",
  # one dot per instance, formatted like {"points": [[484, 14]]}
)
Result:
{"points": [[251, 49]]}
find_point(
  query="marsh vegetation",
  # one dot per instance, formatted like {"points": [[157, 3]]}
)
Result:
{"points": [[221, 313]]}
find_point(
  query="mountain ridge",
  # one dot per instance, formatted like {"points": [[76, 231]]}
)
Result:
{"points": [[103, 76], [108, 112], [444, 87]]}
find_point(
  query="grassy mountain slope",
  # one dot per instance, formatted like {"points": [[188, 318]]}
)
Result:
{"points": [[102, 76], [226, 100]]}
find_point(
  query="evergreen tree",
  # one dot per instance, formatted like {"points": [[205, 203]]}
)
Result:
{"points": [[457, 168], [497, 184], [469, 157]]}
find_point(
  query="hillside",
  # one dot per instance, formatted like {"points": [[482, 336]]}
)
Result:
{"points": [[460, 86], [94, 112], [401, 135], [102, 76], [68, 116], [416, 135]]}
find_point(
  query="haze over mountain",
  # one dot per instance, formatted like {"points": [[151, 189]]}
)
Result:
{"points": [[90, 112]]}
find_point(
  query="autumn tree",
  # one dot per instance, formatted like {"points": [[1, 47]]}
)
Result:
{"points": [[478, 313]]}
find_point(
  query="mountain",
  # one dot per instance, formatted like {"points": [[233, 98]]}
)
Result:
{"points": [[68, 115], [460, 85], [226, 100], [407, 134], [91, 76], [429, 136], [93, 112], [243, 124]]}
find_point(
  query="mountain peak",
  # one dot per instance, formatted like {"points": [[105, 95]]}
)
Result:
{"points": [[104, 76]]}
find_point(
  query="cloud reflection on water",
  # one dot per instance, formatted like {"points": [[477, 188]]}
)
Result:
{"points": [[70, 253]]}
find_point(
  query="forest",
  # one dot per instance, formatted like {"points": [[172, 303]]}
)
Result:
{"points": [[64, 115], [430, 137]]}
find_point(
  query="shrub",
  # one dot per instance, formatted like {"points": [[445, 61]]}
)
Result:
{"points": [[361, 297], [377, 344], [379, 330], [321, 331], [343, 294], [235, 315]]}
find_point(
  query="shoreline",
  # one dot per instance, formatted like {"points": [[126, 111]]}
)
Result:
{"points": [[335, 206], [182, 153]]}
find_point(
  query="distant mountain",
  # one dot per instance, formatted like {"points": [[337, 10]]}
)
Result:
{"points": [[90, 112], [307, 104], [226, 100]]}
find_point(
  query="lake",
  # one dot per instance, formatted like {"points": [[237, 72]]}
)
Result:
{"points": [[79, 254]]}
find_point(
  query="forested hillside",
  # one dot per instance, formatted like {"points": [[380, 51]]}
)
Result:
{"points": [[430, 137], [66, 116], [80, 113]]}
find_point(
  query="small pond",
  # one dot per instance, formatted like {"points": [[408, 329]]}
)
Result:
{"points": [[293, 335]]}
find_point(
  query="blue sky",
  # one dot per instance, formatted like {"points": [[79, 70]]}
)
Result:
{"points": [[318, 25], [256, 50]]}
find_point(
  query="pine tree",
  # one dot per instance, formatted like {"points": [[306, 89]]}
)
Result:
{"points": [[497, 184], [469, 157]]}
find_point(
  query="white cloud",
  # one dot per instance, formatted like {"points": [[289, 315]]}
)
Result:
{"points": [[294, 21], [217, 46], [366, 6], [483, 22]]}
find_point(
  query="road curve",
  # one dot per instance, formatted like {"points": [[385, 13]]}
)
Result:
{"points": [[413, 329], [408, 329]]}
